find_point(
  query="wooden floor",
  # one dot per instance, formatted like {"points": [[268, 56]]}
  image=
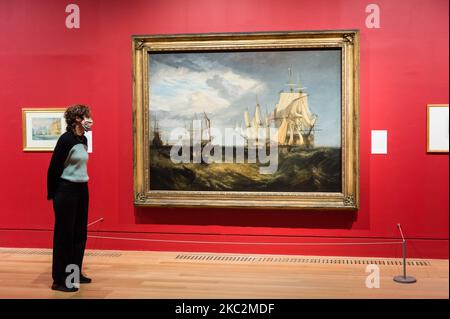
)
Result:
{"points": [[26, 273]]}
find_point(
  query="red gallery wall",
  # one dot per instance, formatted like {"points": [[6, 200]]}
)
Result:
{"points": [[404, 66]]}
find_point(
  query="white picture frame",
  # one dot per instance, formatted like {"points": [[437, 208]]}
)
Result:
{"points": [[437, 128]]}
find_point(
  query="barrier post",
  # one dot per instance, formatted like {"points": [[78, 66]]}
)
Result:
{"points": [[403, 279]]}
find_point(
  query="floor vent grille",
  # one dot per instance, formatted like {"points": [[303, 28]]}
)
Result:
{"points": [[48, 252], [315, 260], [243, 258]]}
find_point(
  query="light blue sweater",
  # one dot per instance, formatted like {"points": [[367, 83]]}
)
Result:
{"points": [[75, 166]]}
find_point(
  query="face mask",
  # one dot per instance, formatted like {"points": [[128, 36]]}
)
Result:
{"points": [[87, 124]]}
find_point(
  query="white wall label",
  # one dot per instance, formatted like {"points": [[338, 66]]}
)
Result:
{"points": [[89, 139], [379, 142]]}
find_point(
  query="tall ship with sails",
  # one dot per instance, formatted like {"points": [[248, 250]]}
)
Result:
{"points": [[292, 119], [257, 130]]}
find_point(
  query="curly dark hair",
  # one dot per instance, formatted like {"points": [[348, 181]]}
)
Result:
{"points": [[74, 111]]}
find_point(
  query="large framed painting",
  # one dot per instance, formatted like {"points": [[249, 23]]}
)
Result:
{"points": [[265, 120], [41, 128]]}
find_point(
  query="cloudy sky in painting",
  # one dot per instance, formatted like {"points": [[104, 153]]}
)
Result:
{"points": [[224, 85]]}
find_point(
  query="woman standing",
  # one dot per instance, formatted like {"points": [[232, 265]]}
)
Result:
{"points": [[67, 186]]}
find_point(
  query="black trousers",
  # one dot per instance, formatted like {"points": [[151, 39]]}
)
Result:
{"points": [[70, 204]]}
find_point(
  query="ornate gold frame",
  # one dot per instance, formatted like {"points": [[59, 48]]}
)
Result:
{"points": [[346, 40]]}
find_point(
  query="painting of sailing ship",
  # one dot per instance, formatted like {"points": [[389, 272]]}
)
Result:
{"points": [[283, 102], [46, 128], [41, 128]]}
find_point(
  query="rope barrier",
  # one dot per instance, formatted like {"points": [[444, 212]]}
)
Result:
{"points": [[241, 243], [95, 222], [236, 242], [400, 279]]}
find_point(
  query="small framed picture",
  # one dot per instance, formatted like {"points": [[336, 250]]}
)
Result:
{"points": [[41, 128], [437, 128]]}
